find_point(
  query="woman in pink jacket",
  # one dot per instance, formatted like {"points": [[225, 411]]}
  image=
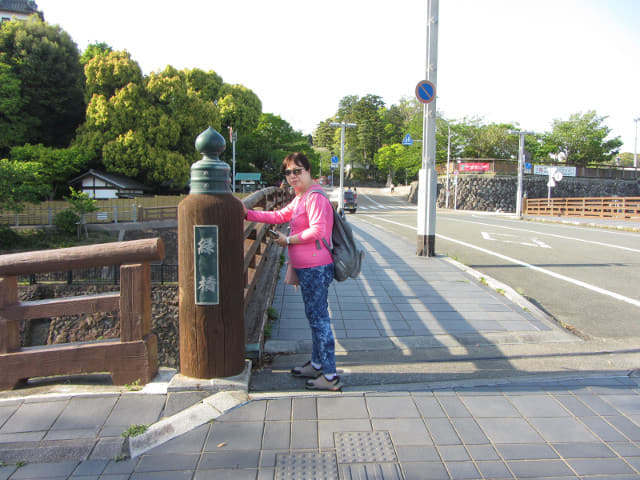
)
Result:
{"points": [[310, 218]]}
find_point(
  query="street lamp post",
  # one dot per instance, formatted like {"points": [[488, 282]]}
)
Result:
{"points": [[521, 134], [428, 180], [233, 136], [342, 126], [635, 147], [448, 160]]}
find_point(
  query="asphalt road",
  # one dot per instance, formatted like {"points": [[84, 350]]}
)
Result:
{"points": [[586, 278]]}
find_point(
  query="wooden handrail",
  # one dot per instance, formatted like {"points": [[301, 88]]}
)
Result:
{"points": [[134, 357], [115, 253]]}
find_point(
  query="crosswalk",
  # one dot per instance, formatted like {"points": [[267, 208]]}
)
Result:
{"points": [[387, 207]]}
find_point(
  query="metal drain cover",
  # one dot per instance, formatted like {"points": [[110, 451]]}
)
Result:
{"points": [[308, 466], [364, 447]]}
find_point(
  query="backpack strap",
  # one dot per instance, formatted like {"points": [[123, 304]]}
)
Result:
{"points": [[324, 241]]}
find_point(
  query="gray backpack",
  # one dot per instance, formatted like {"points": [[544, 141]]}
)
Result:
{"points": [[347, 257]]}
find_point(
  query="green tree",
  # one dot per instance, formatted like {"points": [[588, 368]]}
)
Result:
{"points": [[146, 131], [582, 138], [20, 182], [108, 71], [265, 148], [93, 50], [12, 127], [239, 107], [45, 62], [57, 165]]}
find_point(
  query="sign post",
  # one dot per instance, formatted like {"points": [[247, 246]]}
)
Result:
{"points": [[342, 126], [520, 166], [428, 180]]}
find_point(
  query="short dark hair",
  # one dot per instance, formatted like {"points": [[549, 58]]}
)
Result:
{"points": [[298, 158]]}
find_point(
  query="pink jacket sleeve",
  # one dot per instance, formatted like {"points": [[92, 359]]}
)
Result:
{"points": [[279, 216], [318, 210]]}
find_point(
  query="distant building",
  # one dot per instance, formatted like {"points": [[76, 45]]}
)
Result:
{"points": [[100, 185], [20, 9], [249, 182]]}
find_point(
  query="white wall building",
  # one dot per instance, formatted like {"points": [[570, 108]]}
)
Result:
{"points": [[20, 9]]}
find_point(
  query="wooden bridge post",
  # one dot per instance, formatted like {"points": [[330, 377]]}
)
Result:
{"points": [[210, 263], [9, 330]]}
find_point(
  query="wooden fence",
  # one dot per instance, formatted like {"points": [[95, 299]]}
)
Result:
{"points": [[256, 238], [131, 358], [619, 208]]}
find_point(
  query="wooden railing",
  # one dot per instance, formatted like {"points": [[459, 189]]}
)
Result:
{"points": [[620, 208], [256, 239], [132, 357]]}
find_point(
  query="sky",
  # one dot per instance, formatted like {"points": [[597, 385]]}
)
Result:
{"points": [[513, 61]]}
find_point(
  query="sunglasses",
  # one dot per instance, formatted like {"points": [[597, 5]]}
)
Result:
{"points": [[295, 171]]}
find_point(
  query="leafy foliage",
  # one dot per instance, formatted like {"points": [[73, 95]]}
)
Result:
{"points": [[20, 182], [66, 222], [582, 138], [57, 165], [42, 88]]}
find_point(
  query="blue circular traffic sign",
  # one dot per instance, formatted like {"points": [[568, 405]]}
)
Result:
{"points": [[425, 91]]}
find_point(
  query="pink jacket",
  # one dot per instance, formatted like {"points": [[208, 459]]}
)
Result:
{"points": [[311, 218]]}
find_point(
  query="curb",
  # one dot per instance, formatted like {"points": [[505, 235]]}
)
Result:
{"points": [[205, 411]]}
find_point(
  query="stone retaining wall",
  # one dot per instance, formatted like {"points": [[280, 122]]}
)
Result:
{"points": [[489, 193], [97, 326]]}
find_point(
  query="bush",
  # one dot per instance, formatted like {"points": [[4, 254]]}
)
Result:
{"points": [[66, 222], [8, 238]]}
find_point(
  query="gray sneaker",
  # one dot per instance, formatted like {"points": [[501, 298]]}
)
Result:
{"points": [[307, 371], [321, 383]]}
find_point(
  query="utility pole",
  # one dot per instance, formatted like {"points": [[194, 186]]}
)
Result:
{"points": [[448, 160], [520, 167], [233, 136], [342, 126], [635, 148], [428, 181]]}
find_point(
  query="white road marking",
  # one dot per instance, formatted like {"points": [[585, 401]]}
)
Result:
{"points": [[559, 276], [496, 238], [553, 235]]}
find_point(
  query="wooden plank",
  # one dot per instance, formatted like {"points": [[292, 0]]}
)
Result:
{"points": [[127, 362], [9, 331], [135, 301], [64, 259], [54, 307]]}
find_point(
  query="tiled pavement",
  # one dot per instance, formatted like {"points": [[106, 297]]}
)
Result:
{"points": [[399, 294], [544, 427], [562, 429]]}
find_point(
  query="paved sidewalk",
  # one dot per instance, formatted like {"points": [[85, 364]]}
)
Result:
{"points": [[554, 428], [439, 385]]}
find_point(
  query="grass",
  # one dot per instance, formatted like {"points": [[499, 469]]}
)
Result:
{"points": [[134, 386], [500, 291], [36, 239], [134, 431], [483, 281]]}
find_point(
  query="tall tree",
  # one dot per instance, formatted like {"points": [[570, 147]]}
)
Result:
{"points": [[107, 72], [582, 138], [45, 61]]}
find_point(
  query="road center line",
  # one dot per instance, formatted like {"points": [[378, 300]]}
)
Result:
{"points": [[559, 276], [552, 235]]}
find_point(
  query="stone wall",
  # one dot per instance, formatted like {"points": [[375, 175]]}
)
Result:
{"points": [[97, 326], [489, 193]]}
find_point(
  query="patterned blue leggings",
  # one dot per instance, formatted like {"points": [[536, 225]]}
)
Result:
{"points": [[314, 283]]}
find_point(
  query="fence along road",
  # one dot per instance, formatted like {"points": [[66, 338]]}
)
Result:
{"points": [[584, 277]]}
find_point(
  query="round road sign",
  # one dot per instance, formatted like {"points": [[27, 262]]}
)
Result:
{"points": [[425, 91]]}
